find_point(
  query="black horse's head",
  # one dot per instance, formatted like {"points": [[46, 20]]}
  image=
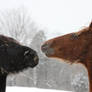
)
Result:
{"points": [[15, 57]]}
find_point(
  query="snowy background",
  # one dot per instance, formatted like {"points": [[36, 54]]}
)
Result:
{"points": [[32, 22], [16, 89]]}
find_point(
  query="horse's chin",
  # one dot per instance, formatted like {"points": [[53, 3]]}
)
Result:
{"points": [[49, 55], [58, 58]]}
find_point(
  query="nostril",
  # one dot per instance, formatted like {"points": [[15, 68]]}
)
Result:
{"points": [[44, 47], [47, 49], [36, 59]]}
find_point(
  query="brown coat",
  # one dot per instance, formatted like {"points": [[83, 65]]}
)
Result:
{"points": [[72, 48]]}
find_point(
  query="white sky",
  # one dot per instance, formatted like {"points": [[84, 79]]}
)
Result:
{"points": [[55, 16]]}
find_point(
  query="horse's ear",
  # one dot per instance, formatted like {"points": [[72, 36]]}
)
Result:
{"points": [[90, 26]]}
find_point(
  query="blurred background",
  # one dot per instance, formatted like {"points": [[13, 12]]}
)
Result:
{"points": [[32, 22]]}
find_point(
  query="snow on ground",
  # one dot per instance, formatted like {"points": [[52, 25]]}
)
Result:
{"points": [[25, 89]]}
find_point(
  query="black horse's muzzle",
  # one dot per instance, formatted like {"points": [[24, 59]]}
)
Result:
{"points": [[31, 57]]}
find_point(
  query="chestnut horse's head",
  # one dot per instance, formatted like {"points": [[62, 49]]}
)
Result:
{"points": [[71, 47]]}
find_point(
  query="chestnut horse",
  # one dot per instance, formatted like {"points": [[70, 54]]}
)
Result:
{"points": [[72, 48]]}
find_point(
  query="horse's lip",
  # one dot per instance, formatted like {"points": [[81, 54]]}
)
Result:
{"points": [[33, 65], [49, 52]]}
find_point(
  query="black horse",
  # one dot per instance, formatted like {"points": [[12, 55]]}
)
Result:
{"points": [[14, 58]]}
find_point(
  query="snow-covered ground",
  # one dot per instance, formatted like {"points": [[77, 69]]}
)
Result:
{"points": [[23, 89]]}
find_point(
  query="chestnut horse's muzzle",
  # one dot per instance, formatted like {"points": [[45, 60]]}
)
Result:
{"points": [[47, 49]]}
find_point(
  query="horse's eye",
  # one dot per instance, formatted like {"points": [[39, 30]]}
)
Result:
{"points": [[74, 36]]}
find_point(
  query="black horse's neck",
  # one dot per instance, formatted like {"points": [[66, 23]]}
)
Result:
{"points": [[3, 82]]}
